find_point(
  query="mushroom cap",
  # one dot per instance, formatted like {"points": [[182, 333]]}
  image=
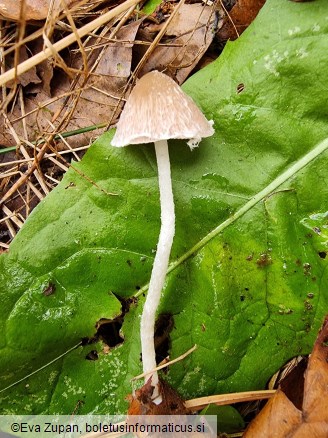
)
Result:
{"points": [[157, 109]]}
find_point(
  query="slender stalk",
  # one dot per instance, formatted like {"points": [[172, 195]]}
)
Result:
{"points": [[160, 263]]}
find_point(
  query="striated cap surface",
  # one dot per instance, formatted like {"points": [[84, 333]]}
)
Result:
{"points": [[158, 109]]}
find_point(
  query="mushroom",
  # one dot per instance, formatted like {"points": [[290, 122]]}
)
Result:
{"points": [[157, 110]]}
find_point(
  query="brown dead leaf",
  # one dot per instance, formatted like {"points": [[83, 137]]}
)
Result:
{"points": [[29, 76], [190, 33], [280, 417], [106, 86], [32, 9], [239, 18], [141, 403]]}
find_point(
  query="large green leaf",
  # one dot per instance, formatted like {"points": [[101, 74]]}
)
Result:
{"points": [[248, 279]]}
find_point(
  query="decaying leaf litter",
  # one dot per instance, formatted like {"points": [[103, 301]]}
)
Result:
{"points": [[298, 408]]}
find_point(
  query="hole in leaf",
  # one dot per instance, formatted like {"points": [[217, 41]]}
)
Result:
{"points": [[109, 331], [163, 327], [240, 88], [92, 355]]}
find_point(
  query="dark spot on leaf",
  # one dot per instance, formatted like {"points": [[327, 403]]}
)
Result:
{"points": [[317, 230], [298, 262], [129, 262], [242, 297], [306, 268], [49, 289], [138, 288], [250, 257], [163, 327], [264, 260], [240, 88], [309, 235], [310, 295], [92, 355], [246, 288], [322, 254], [71, 184], [308, 305]]}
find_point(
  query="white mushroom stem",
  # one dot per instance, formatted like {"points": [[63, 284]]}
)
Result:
{"points": [[160, 265]]}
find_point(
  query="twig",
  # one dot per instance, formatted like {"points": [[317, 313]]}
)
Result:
{"points": [[227, 399], [166, 364], [82, 148], [12, 216], [58, 137], [229, 17]]}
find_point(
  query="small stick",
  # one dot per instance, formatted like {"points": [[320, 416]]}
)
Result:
{"points": [[227, 399], [82, 148], [12, 216], [166, 364]]}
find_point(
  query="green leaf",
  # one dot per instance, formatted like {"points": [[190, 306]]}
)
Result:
{"points": [[248, 274], [229, 419], [150, 6]]}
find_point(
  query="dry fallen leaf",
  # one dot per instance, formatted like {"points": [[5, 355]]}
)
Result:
{"points": [[239, 18], [109, 79], [32, 9], [30, 76], [282, 418], [188, 36]]}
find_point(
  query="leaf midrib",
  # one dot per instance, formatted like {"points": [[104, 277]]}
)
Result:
{"points": [[319, 149]]}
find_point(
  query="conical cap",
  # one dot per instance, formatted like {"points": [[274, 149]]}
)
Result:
{"points": [[158, 109]]}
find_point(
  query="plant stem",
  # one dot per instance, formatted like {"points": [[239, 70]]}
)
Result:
{"points": [[160, 263]]}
